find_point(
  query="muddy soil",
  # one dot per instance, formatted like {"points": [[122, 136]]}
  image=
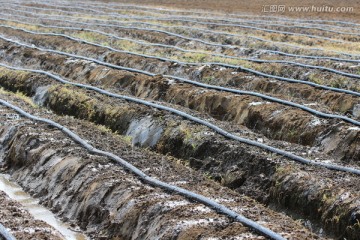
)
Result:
{"points": [[21, 224]]}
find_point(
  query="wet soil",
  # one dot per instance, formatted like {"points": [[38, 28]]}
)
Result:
{"points": [[21, 224]]}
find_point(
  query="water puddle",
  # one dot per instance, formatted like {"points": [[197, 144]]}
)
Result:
{"points": [[39, 212]]}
